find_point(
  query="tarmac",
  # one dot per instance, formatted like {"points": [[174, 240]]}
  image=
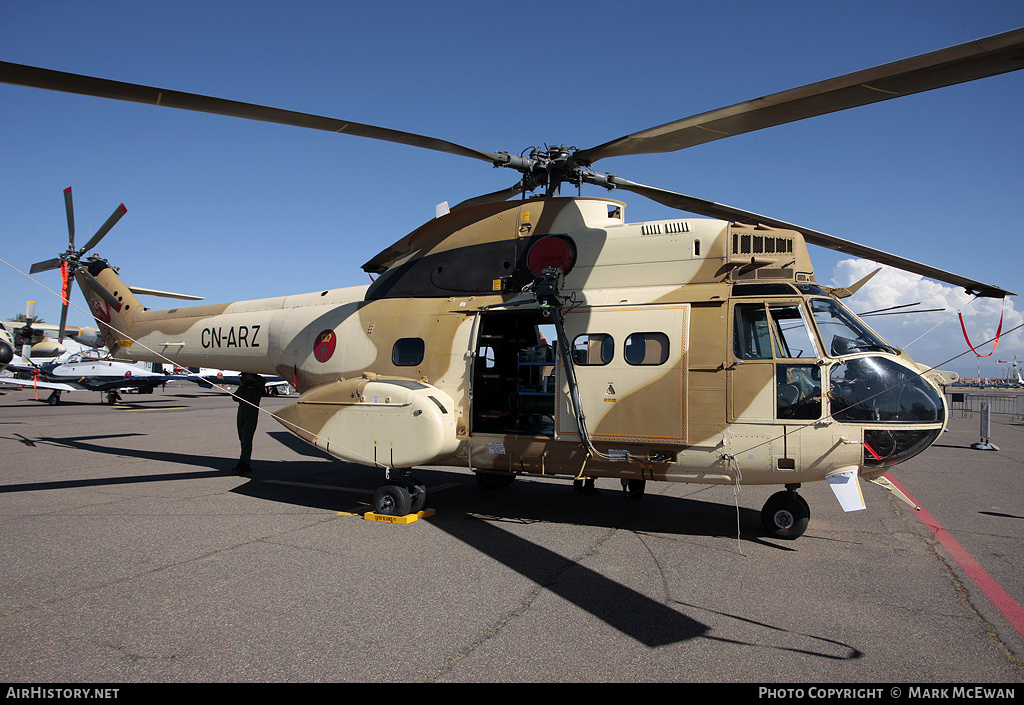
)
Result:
{"points": [[131, 553]]}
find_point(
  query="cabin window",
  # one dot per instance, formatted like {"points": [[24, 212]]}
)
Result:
{"points": [[593, 349], [486, 356], [696, 248], [408, 352], [646, 349]]}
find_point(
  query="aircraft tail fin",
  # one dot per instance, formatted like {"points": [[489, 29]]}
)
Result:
{"points": [[111, 302]]}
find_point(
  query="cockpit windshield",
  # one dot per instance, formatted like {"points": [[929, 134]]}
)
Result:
{"points": [[841, 332]]}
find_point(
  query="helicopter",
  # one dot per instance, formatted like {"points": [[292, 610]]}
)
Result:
{"points": [[529, 332]]}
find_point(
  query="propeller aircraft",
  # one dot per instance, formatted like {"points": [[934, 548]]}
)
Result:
{"points": [[683, 350], [38, 336]]}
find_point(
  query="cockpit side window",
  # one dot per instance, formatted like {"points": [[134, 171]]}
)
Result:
{"points": [[752, 339], [841, 332], [793, 338], [781, 332], [753, 325]]}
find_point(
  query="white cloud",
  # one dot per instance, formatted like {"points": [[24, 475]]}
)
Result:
{"points": [[935, 338]]}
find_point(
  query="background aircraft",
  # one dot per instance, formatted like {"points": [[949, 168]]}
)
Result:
{"points": [[82, 372], [207, 377], [43, 338], [6, 347]]}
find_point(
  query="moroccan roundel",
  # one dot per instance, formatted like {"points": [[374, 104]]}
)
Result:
{"points": [[323, 346], [552, 251]]}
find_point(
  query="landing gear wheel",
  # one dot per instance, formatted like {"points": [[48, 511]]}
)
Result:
{"points": [[785, 515], [584, 486], [392, 500], [494, 481], [633, 489], [418, 493]]}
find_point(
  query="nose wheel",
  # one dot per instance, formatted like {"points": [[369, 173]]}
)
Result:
{"points": [[408, 496], [785, 515]]}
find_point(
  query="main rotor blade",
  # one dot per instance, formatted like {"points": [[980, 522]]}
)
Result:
{"points": [[21, 75], [71, 216], [981, 58], [711, 209], [105, 228]]}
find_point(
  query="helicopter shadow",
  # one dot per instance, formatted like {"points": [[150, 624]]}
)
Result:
{"points": [[485, 521], [476, 518], [90, 444]]}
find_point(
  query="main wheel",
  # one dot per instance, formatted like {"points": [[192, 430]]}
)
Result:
{"points": [[392, 500], [633, 489], [785, 515], [494, 480]]}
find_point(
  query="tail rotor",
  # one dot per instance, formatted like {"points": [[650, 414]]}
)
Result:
{"points": [[70, 261]]}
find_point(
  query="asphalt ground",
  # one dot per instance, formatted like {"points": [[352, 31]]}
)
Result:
{"points": [[130, 553]]}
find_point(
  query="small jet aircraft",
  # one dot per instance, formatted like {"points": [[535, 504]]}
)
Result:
{"points": [[86, 372], [684, 350]]}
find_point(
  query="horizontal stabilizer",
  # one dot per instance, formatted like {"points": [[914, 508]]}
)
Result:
{"points": [[166, 294]]}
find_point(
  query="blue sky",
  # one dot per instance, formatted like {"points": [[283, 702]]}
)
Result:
{"points": [[230, 209]]}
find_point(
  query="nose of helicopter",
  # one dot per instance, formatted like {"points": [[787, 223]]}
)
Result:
{"points": [[906, 410]]}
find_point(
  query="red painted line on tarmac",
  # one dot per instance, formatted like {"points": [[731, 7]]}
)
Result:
{"points": [[995, 592]]}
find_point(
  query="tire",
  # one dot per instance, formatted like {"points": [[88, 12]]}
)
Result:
{"points": [[634, 489], [392, 500], [491, 481], [785, 515]]}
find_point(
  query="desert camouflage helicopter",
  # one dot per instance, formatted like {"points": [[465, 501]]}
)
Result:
{"points": [[549, 335]]}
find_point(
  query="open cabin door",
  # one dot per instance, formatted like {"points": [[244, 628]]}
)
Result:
{"points": [[631, 371]]}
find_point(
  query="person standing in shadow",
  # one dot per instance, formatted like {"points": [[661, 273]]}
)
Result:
{"points": [[248, 396]]}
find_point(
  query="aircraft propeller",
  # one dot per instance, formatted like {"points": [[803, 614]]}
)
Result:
{"points": [[26, 332], [69, 261], [550, 167]]}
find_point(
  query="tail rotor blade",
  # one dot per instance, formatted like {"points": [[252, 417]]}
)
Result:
{"points": [[100, 291], [63, 320], [44, 266], [67, 281], [105, 228], [69, 207]]}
